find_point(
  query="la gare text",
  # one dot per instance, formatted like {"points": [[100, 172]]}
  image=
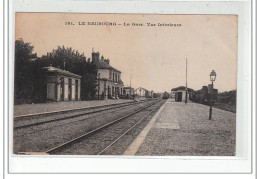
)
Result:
{"points": [[122, 24]]}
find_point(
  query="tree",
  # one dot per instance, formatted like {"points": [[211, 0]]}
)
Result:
{"points": [[228, 97], [30, 79], [75, 62], [23, 84]]}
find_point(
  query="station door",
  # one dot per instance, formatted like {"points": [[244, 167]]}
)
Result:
{"points": [[179, 96]]}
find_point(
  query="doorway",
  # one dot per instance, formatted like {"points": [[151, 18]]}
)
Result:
{"points": [[108, 92], [179, 96], [70, 89], [62, 89], [76, 93]]}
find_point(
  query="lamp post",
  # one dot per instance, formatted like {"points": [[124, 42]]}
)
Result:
{"points": [[212, 79]]}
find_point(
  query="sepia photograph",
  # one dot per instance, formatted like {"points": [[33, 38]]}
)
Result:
{"points": [[125, 84]]}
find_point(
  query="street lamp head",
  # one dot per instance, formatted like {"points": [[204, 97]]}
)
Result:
{"points": [[213, 75]]}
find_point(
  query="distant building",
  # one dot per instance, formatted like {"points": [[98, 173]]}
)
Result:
{"points": [[213, 91], [204, 95], [157, 95], [128, 91], [62, 85], [141, 92], [109, 80]]}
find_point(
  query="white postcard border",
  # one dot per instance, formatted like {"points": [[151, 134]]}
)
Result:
{"points": [[118, 164]]}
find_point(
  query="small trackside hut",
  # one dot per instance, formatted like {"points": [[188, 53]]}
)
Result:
{"points": [[179, 93], [62, 85]]}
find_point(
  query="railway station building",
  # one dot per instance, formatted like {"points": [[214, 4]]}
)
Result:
{"points": [[110, 85], [62, 85]]}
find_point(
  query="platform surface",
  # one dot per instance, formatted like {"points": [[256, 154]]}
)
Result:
{"points": [[185, 130], [25, 109]]}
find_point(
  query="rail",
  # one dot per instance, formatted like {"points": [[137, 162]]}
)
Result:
{"points": [[72, 141]]}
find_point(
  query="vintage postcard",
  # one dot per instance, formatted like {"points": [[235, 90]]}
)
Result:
{"points": [[125, 84]]}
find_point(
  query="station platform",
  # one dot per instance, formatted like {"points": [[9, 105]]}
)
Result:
{"points": [[25, 109], [185, 130]]}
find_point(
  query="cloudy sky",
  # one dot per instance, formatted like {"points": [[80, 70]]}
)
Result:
{"points": [[155, 56]]}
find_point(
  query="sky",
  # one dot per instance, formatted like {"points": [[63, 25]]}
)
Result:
{"points": [[154, 57]]}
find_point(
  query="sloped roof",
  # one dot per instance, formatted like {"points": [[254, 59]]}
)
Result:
{"points": [[181, 88], [141, 88], [60, 71], [104, 65]]}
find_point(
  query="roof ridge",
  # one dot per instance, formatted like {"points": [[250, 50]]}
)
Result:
{"points": [[59, 70]]}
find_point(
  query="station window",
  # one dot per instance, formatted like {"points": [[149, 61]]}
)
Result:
{"points": [[110, 74], [113, 77]]}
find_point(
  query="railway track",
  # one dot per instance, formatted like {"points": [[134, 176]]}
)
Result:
{"points": [[146, 111], [66, 121], [30, 120], [61, 146], [36, 115]]}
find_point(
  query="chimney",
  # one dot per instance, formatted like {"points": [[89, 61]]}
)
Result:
{"points": [[107, 61], [95, 58], [102, 58]]}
